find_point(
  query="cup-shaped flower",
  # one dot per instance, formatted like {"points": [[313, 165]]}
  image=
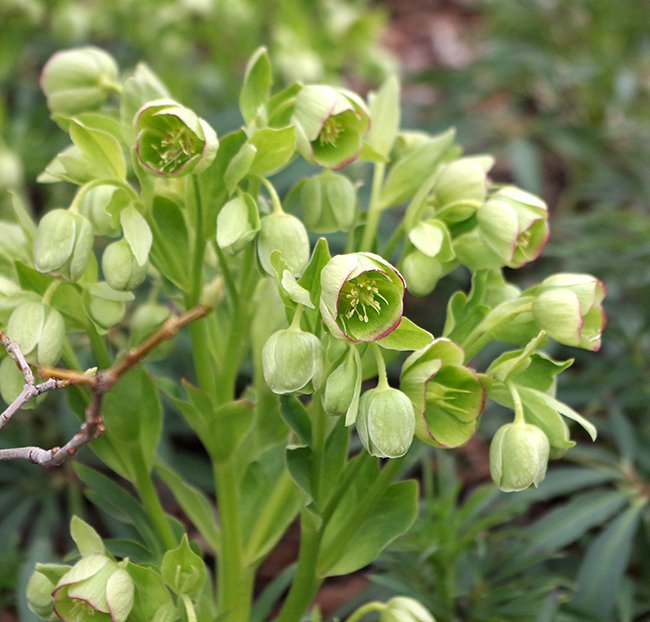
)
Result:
{"points": [[448, 397], [514, 225], [284, 233], [237, 224], [361, 297], [292, 361], [328, 202], [38, 330], [120, 267], [63, 244], [519, 455], [385, 422], [569, 308], [172, 140], [95, 588], [405, 609], [78, 80], [330, 124]]}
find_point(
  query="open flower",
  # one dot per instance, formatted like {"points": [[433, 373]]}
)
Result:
{"points": [[361, 297], [519, 455], [95, 588], [448, 397], [331, 124], [172, 140], [569, 308]]}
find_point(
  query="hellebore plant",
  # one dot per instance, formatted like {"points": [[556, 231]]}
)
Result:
{"points": [[173, 231]]}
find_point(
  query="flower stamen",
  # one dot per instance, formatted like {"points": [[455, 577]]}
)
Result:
{"points": [[359, 294]]}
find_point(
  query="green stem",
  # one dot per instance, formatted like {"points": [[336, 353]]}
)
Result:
{"points": [[50, 291], [189, 608], [374, 209], [84, 190], [318, 438], [98, 346], [275, 199], [516, 401], [234, 578], [393, 241], [199, 246], [152, 506], [381, 367]]}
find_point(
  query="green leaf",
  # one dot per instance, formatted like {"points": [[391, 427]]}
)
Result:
{"points": [[31, 279], [258, 80], [385, 114], [226, 428], [408, 173], [102, 152], [603, 566], [133, 419], [194, 503], [465, 312], [300, 465], [394, 513], [407, 336], [310, 278], [183, 570], [296, 417], [274, 148], [137, 233], [239, 166], [151, 595], [86, 538]]}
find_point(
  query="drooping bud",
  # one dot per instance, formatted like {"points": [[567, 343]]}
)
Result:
{"points": [[448, 397], [514, 225], [422, 272], [102, 206], [78, 80], [292, 361], [569, 308], [237, 224], [385, 422], [63, 244], [172, 140], [405, 609], [95, 588], [120, 267], [519, 455], [331, 124], [105, 305], [38, 330], [284, 233], [40, 587], [361, 297], [328, 202]]}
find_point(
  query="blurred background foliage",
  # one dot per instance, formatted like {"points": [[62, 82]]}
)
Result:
{"points": [[560, 92]]}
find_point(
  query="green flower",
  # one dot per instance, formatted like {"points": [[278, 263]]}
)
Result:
{"points": [[237, 224], [448, 397], [172, 140], [569, 308], [330, 124], [63, 244], [120, 267], [519, 455], [292, 361], [38, 330], [95, 588], [286, 234], [40, 587], [385, 422], [78, 80], [328, 202], [361, 297]]}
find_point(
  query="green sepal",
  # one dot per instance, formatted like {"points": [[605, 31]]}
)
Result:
{"points": [[86, 538], [274, 149], [385, 114], [256, 88]]}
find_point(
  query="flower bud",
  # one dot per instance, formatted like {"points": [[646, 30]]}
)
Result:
{"points": [[514, 225], [63, 244], [422, 272], [385, 422], [292, 361], [78, 80], [172, 140], [101, 206], [448, 398], [40, 587], [38, 330], [568, 307], [519, 455], [361, 297], [343, 388], [120, 267], [95, 585], [405, 609], [105, 305], [330, 124], [284, 233], [328, 202], [237, 224]]}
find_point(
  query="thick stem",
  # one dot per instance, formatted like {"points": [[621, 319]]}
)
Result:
{"points": [[374, 209], [234, 578]]}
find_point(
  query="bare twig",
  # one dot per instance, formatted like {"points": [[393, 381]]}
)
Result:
{"points": [[99, 383]]}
